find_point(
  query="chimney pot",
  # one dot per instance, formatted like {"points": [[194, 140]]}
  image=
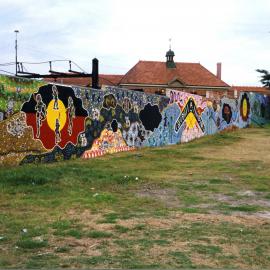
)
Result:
{"points": [[219, 70]]}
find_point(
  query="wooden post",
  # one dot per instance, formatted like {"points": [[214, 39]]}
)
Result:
{"points": [[95, 73]]}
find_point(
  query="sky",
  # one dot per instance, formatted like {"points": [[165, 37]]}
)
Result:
{"points": [[121, 32]]}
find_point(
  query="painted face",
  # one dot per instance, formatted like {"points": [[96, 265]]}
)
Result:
{"points": [[227, 113]]}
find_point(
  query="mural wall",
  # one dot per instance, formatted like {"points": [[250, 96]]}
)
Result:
{"points": [[51, 122], [259, 108]]}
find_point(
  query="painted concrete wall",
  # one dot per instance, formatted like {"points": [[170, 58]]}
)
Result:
{"points": [[47, 122]]}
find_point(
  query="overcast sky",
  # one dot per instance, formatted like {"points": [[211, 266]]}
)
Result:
{"points": [[122, 32]]}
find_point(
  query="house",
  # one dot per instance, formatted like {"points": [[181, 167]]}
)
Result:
{"points": [[156, 77]]}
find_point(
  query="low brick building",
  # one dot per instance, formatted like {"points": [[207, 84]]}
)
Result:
{"points": [[104, 79], [156, 77], [235, 90]]}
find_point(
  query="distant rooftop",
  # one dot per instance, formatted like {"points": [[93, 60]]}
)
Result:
{"points": [[154, 72], [104, 79], [255, 89]]}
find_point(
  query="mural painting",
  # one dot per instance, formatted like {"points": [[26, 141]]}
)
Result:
{"points": [[244, 107], [259, 108], [189, 123], [165, 134], [55, 115], [16, 140], [51, 122], [15, 137], [82, 122], [210, 117], [109, 142]]}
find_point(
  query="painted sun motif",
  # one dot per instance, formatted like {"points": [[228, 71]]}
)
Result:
{"points": [[54, 114], [245, 107]]}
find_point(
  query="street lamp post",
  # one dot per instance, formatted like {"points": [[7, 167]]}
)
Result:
{"points": [[16, 51]]}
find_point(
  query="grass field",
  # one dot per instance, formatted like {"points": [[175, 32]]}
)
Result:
{"points": [[205, 204]]}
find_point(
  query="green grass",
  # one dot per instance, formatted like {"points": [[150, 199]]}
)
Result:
{"points": [[42, 261], [244, 208], [90, 215], [206, 250], [63, 249], [31, 244], [99, 234], [181, 259], [110, 218], [144, 243], [121, 229]]}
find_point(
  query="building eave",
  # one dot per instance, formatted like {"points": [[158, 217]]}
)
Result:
{"points": [[222, 88]]}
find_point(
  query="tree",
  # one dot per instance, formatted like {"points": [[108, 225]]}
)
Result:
{"points": [[265, 77]]}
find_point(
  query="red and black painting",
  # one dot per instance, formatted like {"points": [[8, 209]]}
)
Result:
{"points": [[56, 115]]}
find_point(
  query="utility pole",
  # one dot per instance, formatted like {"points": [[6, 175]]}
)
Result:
{"points": [[16, 51]]}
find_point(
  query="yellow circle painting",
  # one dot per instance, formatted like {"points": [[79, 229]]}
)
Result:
{"points": [[245, 108], [56, 112]]}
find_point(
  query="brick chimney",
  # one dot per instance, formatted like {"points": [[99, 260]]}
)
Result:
{"points": [[219, 70]]}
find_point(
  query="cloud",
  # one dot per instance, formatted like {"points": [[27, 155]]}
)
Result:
{"points": [[121, 32]]}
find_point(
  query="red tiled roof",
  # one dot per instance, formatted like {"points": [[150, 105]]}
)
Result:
{"points": [[153, 72], [104, 79], [110, 79], [255, 89]]}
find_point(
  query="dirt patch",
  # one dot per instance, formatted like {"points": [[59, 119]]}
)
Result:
{"points": [[250, 193], [198, 259], [203, 205], [179, 218], [158, 253], [262, 214], [250, 199], [165, 195], [78, 247], [218, 218], [164, 253], [89, 220]]}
